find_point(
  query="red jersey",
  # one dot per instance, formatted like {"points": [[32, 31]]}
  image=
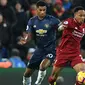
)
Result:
{"points": [[71, 37]]}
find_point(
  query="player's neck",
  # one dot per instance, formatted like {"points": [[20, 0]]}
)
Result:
{"points": [[41, 18], [77, 21]]}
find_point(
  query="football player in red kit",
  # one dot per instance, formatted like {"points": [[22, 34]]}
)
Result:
{"points": [[69, 47]]}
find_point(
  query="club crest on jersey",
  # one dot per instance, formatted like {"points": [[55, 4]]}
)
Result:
{"points": [[46, 25], [76, 28], [65, 22]]}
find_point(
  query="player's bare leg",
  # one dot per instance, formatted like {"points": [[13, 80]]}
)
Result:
{"points": [[52, 79], [42, 71], [27, 76], [79, 67]]}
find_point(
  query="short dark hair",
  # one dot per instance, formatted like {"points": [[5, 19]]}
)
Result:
{"points": [[41, 3], [76, 9], [15, 52]]}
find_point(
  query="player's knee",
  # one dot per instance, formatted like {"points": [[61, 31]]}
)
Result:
{"points": [[42, 67], [51, 80]]}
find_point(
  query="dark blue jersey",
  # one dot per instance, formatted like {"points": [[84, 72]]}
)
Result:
{"points": [[43, 31]]}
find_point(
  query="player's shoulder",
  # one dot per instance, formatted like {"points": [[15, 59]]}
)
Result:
{"points": [[83, 25], [50, 16], [68, 20], [33, 18]]}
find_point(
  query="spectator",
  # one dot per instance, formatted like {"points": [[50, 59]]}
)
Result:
{"points": [[33, 10], [49, 7], [16, 60], [67, 14], [59, 9], [77, 2], [21, 21], [20, 28], [5, 33], [25, 4], [29, 54], [9, 16], [8, 12], [67, 4]]}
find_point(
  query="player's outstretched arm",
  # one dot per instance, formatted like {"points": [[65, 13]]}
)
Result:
{"points": [[61, 27]]}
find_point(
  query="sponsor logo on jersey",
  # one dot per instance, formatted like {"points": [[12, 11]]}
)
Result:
{"points": [[41, 31], [78, 34]]}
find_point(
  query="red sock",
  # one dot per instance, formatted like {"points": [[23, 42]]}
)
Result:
{"points": [[78, 83], [51, 80]]}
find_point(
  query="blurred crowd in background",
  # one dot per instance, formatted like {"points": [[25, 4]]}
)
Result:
{"points": [[14, 16]]}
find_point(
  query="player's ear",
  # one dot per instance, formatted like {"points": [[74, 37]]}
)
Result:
{"points": [[75, 14]]}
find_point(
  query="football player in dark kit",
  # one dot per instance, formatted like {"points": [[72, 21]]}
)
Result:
{"points": [[41, 28]]}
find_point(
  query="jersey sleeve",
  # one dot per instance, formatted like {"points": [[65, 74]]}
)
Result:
{"points": [[29, 26], [66, 23]]}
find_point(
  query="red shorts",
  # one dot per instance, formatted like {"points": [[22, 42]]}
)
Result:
{"points": [[62, 58]]}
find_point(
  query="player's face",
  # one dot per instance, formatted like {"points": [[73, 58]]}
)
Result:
{"points": [[80, 16], [41, 11]]}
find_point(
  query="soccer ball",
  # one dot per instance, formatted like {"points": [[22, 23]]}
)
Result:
{"points": [[81, 77]]}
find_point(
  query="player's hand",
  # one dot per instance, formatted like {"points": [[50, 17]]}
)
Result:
{"points": [[22, 41], [61, 27]]}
